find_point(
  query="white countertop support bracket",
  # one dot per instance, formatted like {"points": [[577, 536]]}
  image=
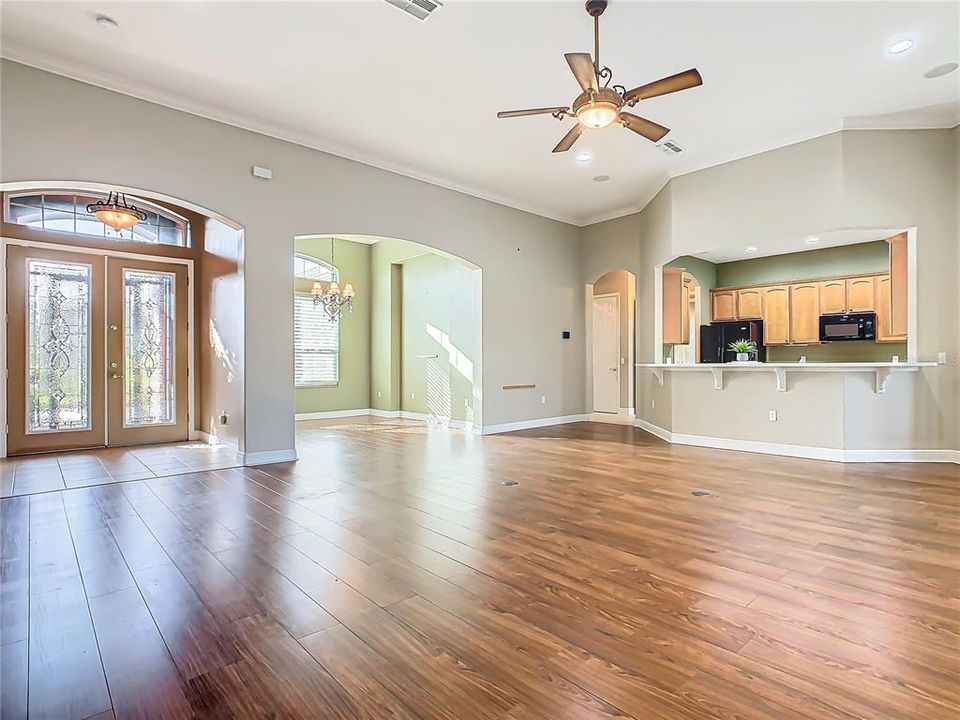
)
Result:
{"points": [[717, 378], [781, 379], [881, 380]]}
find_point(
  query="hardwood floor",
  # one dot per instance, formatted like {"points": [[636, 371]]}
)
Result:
{"points": [[392, 573]]}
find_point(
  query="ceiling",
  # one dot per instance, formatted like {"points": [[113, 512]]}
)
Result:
{"points": [[367, 81]]}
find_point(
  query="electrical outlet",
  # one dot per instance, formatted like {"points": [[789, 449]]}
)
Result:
{"points": [[653, 404], [772, 415], [379, 393], [466, 403], [543, 399], [413, 396], [223, 418], [941, 358]]}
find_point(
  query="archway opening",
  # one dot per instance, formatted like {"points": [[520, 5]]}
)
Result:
{"points": [[611, 304], [407, 345]]}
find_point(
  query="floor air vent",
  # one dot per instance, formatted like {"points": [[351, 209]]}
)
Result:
{"points": [[420, 9], [669, 147]]}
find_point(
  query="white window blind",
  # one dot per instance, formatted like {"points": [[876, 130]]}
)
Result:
{"points": [[316, 342]]}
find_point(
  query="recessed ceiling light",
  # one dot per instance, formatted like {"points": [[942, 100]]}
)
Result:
{"points": [[601, 178], [941, 70], [812, 240], [105, 21], [901, 46], [750, 249], [584, 158]]}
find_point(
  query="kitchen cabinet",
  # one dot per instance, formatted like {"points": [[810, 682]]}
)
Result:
{"points": [[673, 325], [776, 315], [685, 313], [861, 295], [749, 304], [723, 305], [885, 334], [805, 313], [898, 285], [833, 296]]}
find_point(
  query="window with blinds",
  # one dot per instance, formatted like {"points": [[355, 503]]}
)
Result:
{"points": [[316, 342]]}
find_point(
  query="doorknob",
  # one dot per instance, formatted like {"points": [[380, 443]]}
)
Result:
{"points": [[113, 365], [116, 376]]}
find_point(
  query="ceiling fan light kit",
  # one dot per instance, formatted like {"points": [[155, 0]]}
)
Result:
{"points": [[599, 107]]}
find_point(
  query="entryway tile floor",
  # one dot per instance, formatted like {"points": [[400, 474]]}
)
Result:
{"points": [[30, 474]]}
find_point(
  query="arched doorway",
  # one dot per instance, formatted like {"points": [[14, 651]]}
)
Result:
{"points": [[611, 321], [410, 346]]}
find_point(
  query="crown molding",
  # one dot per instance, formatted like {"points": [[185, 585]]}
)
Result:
{"points": [[58, 66]]}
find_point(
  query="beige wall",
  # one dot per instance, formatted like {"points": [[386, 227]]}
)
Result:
{"points": [[219, 337], [528, 262], [352, 392], [439, 319], [850, 179], [624, 284]]}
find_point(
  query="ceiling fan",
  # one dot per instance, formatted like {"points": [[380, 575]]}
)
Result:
{"points": [[597, 107]]}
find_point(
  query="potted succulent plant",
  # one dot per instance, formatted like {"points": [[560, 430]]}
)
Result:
{"points": [[744, 349]]}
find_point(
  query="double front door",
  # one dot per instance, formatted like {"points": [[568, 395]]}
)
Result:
{"points": [[96, 351]]}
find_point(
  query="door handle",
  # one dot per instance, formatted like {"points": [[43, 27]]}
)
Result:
{"points": [[116, 376], [613, 369], [114, 327]]}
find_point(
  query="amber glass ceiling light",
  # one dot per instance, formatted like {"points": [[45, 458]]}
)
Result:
{"points": [[116, 212]]}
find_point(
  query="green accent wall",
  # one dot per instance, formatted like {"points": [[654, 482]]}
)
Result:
{"points": [[857, 351], [828, 262], [352, 392]]}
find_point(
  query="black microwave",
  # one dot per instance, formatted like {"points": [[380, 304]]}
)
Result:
{"points": [[858, 326]]}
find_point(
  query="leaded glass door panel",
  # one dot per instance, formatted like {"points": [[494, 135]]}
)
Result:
{"points": [[147, 389], [55, 350]]}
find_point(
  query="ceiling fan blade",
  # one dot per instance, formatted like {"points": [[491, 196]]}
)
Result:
{"points": [[680, 81], [649, 129], [583, 70], [531, 111], [569, 139]]}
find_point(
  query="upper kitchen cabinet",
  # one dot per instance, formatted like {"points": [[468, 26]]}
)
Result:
{"points": [[723, 305], [805, 313], [833, 296], [860, 295], [675, 327], [898, 285], [776, 315], [749, 304]]}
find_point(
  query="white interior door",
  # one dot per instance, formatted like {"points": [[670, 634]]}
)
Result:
{"points": [[606, 354]]}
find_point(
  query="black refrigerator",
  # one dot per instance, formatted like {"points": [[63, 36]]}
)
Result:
{"points": [[716, 337]]}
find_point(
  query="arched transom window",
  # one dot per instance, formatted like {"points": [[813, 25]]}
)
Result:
{"points": [[66, 211]]}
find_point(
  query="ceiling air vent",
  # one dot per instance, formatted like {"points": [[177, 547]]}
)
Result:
{"points": [[420, 9], [670, 147]]}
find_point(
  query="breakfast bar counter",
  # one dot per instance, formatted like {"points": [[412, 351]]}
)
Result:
{"points": [[881, 370]]}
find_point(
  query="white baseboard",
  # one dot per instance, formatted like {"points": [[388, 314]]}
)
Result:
{"points": [[801, 451], [528, 424], [624, 416], [203, 437], [331, 414], [265, 458], [931, 456], [653, 429], [385, 413]]}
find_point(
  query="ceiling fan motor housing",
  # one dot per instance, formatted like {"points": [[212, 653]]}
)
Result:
{"points": [[603, 95], [595, 8]]}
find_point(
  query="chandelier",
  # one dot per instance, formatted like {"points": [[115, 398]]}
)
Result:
{"points": [[331, 296], [116, 212]]}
